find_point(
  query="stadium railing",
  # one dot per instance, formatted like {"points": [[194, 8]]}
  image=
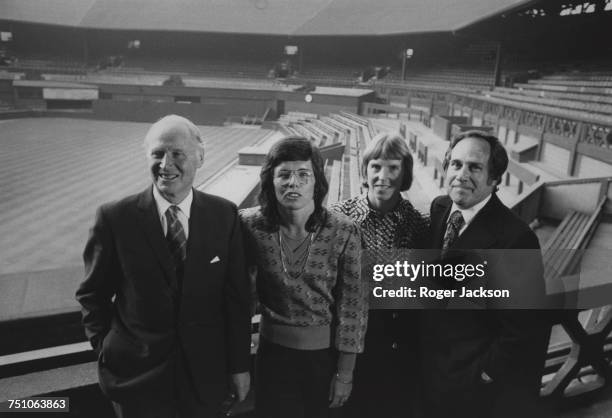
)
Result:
{"points": [[575, 97]]}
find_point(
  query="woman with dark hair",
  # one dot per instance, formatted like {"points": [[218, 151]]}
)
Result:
{"points": [[312, 299], [387, 371]]}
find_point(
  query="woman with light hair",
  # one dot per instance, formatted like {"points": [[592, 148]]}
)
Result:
{"points": [[387, 372]]}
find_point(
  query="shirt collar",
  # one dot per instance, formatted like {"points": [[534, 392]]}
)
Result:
{"points": [[366, 209], [163, 205], [470, 213]]}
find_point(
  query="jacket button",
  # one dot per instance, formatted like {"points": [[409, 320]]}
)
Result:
{"points": [[394, 315], [394, 346]]}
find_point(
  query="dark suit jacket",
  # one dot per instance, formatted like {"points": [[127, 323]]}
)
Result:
{"points": [[509, 345], [141, 333]]}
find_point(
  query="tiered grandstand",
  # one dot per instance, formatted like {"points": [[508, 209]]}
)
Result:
{"points": [[77, 100], [581, 92]]}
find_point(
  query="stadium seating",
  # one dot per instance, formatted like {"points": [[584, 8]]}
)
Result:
{"points": [[569, 104], [599, 118], [578, 91], [576, 97], [573, 233], [202, 67], [338, 76], [583, 351], [344, 127], [451, 78]]}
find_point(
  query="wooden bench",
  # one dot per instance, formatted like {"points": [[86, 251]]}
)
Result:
{"points": [[337, 134], [566, 237], [317, 136], [360, 120], [337, 125], [367, 129], [303, 132], [323, 127]]}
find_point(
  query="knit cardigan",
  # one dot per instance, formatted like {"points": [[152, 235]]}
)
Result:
{"points": [[327, 305]]}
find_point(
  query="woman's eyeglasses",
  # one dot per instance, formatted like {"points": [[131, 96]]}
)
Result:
{"points": [[301, 176]]}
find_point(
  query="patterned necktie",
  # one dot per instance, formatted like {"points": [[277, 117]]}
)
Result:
{"points": [[177, 241], [455, 223]]}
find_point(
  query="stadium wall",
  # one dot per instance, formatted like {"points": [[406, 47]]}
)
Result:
{"points": [[204, 105], [323, 104], [119, 110], [6, 92], [209, 106]]}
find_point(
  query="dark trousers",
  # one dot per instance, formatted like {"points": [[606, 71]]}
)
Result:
{"points": [[486, 401], [180, 402], [292, 383], [386, 379]]}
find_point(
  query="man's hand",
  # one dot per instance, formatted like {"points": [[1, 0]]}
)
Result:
{"points": [[340, 390], [485, 378], [241, 383]]}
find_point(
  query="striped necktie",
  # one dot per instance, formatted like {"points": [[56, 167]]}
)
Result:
{"points": [[455, 223], [176, 239]]}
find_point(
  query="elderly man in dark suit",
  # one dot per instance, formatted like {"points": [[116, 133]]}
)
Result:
{"points": [[165, 298], [477, 362]]}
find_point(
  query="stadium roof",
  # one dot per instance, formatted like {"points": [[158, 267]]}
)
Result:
{"points": [[271, 17]]}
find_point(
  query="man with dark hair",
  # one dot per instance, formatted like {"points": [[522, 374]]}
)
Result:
{"points": [[165, 298], [476, 362]]}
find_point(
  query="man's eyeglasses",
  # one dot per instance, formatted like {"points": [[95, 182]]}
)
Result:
{"points": [[301, 176]]}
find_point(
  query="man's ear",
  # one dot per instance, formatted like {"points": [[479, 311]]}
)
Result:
{"points": [[200, 159]]}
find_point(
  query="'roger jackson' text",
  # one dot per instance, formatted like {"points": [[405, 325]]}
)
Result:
{"points": [[426, 292]]}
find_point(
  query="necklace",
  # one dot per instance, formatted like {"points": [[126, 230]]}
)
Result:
{"points": [[296, 257]]}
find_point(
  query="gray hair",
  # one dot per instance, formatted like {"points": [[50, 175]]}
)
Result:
{"points": [[175, 121]]}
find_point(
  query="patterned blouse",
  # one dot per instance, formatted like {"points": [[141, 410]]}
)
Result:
{"points": [[402, 227], [386, 239], [327, 305]]}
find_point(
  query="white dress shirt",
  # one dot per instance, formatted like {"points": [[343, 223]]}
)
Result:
{"points": [[183, 213], [469, 213]]}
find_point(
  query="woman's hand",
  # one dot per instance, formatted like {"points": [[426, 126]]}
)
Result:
{"points": [[340, 389]]}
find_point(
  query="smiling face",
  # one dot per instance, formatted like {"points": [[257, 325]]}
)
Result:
{"points": [[173, 157], [468, 181], [384, 179], [294, 185]]}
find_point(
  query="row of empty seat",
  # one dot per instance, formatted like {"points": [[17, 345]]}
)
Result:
{"points": [[604, 109], [575, 97], [475, 78], [199, 67], [584, 115], [585, 96]]}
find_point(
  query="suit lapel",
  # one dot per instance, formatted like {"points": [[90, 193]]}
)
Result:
{"points": [[439, 214], [481, 232], [151, 226], [201, 235]]}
